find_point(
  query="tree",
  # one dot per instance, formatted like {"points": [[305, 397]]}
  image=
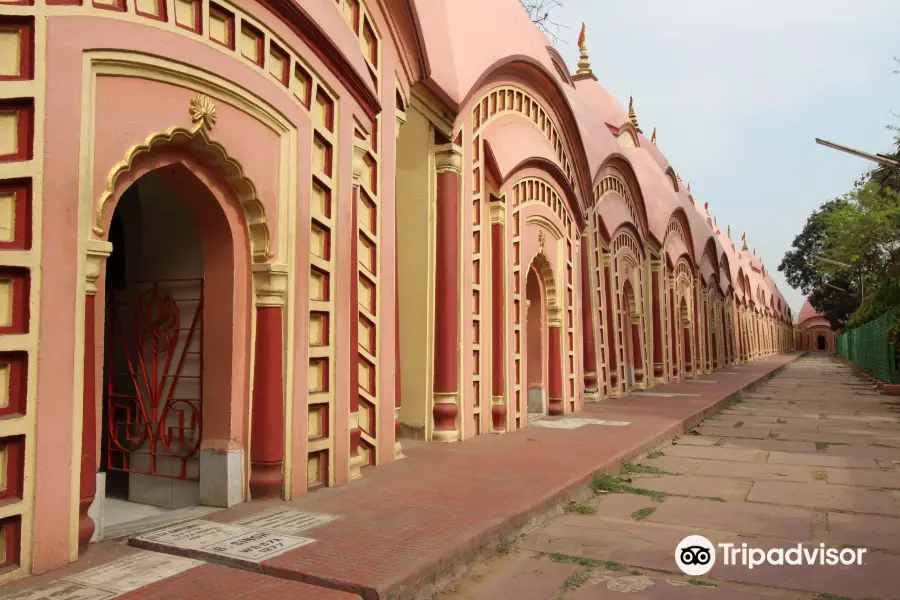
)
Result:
{"points": [[539, 13], [801, 269]]}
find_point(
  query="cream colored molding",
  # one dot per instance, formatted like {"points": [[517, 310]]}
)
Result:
{"points": [[97, 253], [270, 283], [360, 149], [400, 116], [432, 109], [497, 212], [448, 158]]}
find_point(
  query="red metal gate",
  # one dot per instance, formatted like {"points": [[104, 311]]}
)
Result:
{"points": [[154, 385]]}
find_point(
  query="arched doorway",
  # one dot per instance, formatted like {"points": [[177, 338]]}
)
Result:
{"points": [[166, 352], [536, 325], [820, 343]]}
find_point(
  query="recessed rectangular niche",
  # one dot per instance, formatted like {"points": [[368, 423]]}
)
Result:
{"points": [[320, 241], [322, 155], [16, 129], [366, 251], [15, 214], [318, 285], [153, 9], [110, 4], [10, 540], [188, 14], [366, 294], [318, 375], [13, 383], [366, 335], [12, 468], [321, 200], [318, 329], [325, 109], [366, 375], [302, 85], [368, 214], [14, 288], [279, 63], [252, 43], [221, 26], [318, 421], [16, 48], [317, 469]]}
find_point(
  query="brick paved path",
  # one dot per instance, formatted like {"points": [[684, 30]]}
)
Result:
{"points": [[419, 522], [811, 456]]}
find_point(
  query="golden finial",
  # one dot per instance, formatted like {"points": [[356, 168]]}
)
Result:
{"points": [[631, 116], [541, 241], [716, 224], [203, 112], [706, 207], [584, 64], [744, 239], [729, 232], [653, 137], [689, 187]]}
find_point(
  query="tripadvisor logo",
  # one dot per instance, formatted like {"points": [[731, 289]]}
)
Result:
{"points": [[695, 555]]}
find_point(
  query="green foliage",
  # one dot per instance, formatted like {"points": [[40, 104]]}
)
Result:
{"points": [[580, 509], [884, 299], [642, 513]]}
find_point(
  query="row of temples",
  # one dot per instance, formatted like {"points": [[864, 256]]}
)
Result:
{"points": [[247, 248]]}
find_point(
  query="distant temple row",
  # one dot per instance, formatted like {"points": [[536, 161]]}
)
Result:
{"points": [[248, 248]]}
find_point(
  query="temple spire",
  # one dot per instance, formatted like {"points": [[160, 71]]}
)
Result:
{"points": [[689, 187], [729, 232], [584, 63], [653, 137], [744, 239], [631, 116]]}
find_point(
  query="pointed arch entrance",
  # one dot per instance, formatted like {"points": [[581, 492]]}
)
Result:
{"points": [[632, 336], [543, 360], [183, 224]]}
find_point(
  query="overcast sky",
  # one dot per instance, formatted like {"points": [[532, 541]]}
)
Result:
{"points": [[739, 89]]}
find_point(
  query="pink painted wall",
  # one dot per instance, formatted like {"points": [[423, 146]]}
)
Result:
{"points": [[120, 124]]}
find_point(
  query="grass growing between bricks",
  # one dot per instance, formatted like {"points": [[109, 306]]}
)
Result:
{"points": [[739, 424], [579, 509], [822, 446], [586, 562], [642, 513], [701, 583], [656, 454], [629, 467], [610, 484]]}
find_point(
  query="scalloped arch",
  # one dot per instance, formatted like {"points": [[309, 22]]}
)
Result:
{"points": [[197, 141], [542, 265]]}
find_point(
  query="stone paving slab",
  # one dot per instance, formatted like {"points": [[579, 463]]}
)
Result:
{"points": [[734, 432], [697, 440], [621, 506], [771, 445], [864, 531], [611, 586], [822, 495], [822, 460], [826, 438], [692, 485], [717, 468], [524, 576], [877, 578], [739, 517], [641, 544], [715, 453], [672, 464], [864, 477], [864, 451]]}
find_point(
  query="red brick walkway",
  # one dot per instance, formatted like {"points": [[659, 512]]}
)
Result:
{"points": [[405, 525]]}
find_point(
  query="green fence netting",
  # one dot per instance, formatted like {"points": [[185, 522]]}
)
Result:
{"points": [[867, 347]]}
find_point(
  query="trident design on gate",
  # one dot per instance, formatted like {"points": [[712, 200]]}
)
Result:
{"points": [[154, 400]]}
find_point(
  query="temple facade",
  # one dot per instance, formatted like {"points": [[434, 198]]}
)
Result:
{"points": [[249, 247], [813, 331]]}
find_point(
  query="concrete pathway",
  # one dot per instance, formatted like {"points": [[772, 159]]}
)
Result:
{"points": [[811, 456], [406, 529]]}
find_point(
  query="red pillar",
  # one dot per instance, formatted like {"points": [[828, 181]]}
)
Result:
{"points": [[355, 462], [97, 251], [555, 406], [498, 329], [657, 323], [587, 322], [89, 428], [267, 429], [448, 159], [611, 328]]}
